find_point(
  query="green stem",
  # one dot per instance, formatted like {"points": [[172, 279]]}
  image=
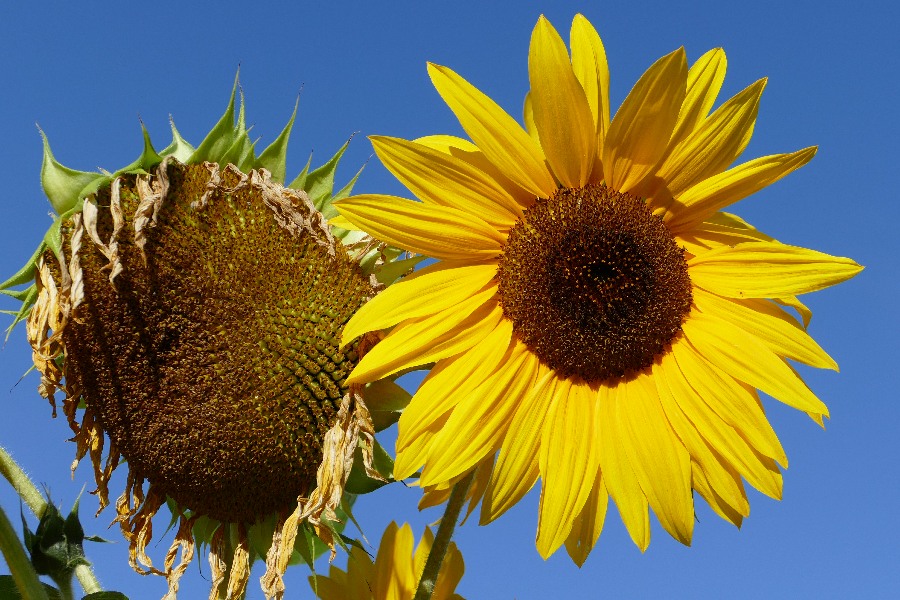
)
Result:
{"points": [[29, 493], [87, 579], [443, 537], [64, 585], [20, 568], [22, 484]]}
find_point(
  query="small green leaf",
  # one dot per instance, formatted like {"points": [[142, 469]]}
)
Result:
{"points": [[360, 483], [274, 157], [148, 159], [26, 273], [392, 271], [105, 596], [24, 310], [221, 136], [62, 185], [179, 149], [319, 183]]}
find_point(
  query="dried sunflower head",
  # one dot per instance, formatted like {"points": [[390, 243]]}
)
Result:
{"points": [[190, 307]]}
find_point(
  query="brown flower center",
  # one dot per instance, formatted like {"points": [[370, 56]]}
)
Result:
{"points": [[594, 283], [214, 365]]}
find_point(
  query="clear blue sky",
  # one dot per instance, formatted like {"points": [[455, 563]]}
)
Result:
{"points": [[87, 72]]}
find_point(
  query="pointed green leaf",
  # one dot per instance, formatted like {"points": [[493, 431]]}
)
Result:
{"points": [[62, 185], [26, 273], [274, 157], [299, 182], [360, 483], [320, 183], [221, 136], [24, 310], [179, 149], [345, 191], [390, 272], [105, 595], [148, 159]]}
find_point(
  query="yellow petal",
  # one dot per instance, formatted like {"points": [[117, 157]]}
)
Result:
{"points": [[793, 302], [660, 461], [765, 320], [441, 179], [618, 473], [450, 575], [561, 113], [415, 451], [590, 67], [744, 357], [713, 234], [715, 144], [395, 550], [589, 523], [722, 480], [700, 482], [704, 81], [447, 143], [528, 115], [465, 150], [516, 470], [450, 381], [568, 460], [719, 419], [360, 574], [768, 270], [502, 140], [438, 231], [435, 288], [480, 420], [640, 131], [718, 191], [725, 396], [428, 339]]}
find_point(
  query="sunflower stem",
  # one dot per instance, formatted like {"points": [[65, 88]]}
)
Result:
{"points": [[22, 484], [36, 502], [443, 537], [23, 573]]}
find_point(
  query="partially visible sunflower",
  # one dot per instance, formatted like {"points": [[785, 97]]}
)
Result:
{"points": [[395, 573], [190, 307], [592, 315]]}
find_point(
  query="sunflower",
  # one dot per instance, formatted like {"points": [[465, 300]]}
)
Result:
{"points": [[190, 307], [595, 321], [395, 573]]}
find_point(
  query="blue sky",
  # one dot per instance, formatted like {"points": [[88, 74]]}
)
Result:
{"points": [[86, 75]]}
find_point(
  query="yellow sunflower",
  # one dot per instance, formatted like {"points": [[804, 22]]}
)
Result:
{"points": [[594, 320], [395, 573]]}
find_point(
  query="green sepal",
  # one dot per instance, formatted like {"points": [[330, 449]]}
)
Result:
{"points": [[319, 183], [394, 270], [62, 185], [360, 483], [24, 310], [26, 273], [221, 137], [385, 401], [148, 159], [55, 546], [9, 591], [240, 153], [274, 157], [179, 149]]}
